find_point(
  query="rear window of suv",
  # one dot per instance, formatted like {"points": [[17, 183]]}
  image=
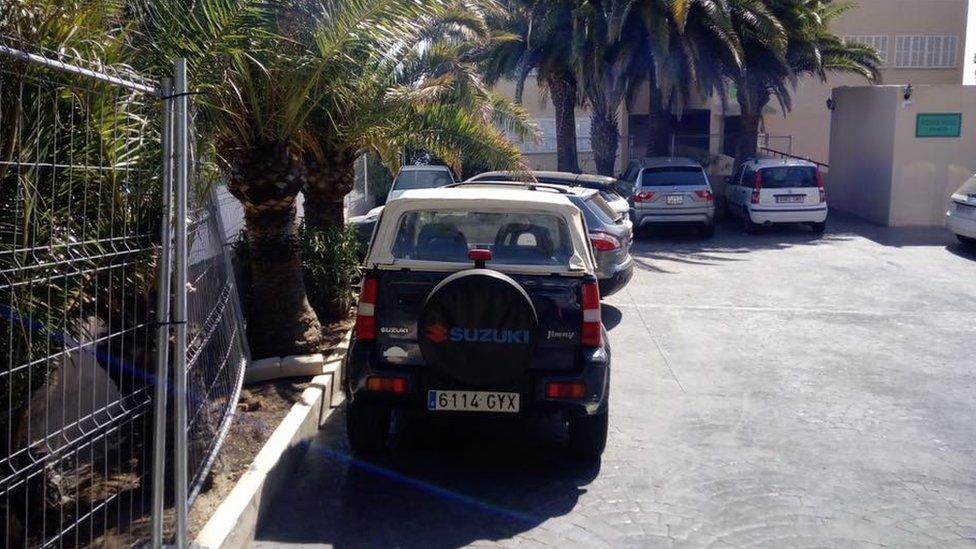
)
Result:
{"points": [[421, 179], [786, 177], [660, 177], [513, 238]]}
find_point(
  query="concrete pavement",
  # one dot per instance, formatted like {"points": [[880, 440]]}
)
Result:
{"points": [[775, 389]]}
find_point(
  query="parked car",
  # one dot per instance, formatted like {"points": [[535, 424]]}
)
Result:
{"points": [[673, 190], [614, 191], [479, 301], [611, 233], [961, 217], [409, 177], [419, 177], [768, 191]]}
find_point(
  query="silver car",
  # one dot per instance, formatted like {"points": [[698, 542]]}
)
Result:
{"points": [[420, 177], [673, 190], [611, 233], [614, 191]]}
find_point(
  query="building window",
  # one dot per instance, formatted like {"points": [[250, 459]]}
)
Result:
{"points": [[548, 141], [877, 41], [926, 52]]}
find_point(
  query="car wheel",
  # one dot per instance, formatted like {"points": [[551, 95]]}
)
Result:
{"points": [[966, 241], [747, 225], [368, 427], [588, 435], [708, 229], [819, 228]]}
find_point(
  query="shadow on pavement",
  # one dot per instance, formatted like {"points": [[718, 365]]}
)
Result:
{"points": [[961, 250], [679, 244], [447, 484], [654, 249]]}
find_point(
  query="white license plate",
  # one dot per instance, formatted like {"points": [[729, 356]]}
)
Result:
{"points": [[790, 199], [675, 199], [472, 401], [965, 209]]}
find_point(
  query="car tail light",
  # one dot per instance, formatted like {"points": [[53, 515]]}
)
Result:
{"points": [[479, 254], [645, 196], [756, 188], [591, 330], [705, 195], [559, 389], [604, 242], [366, 311], [396, 385], [820, 187]]}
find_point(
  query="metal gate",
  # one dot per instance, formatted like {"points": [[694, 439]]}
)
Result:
{"points": [[115, 293]]}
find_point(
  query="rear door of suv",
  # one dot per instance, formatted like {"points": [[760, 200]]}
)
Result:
{"points": [[672, 188], [786, 188]]}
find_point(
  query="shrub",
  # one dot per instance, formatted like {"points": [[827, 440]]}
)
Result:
{"points": [[330, 262]]}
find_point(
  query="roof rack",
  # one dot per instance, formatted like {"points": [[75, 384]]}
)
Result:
{"points": [[528, 185]]}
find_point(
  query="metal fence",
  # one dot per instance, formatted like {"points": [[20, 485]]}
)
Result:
{"points": [[89, 321]]}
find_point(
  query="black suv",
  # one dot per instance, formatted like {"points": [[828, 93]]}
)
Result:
{"points": [[479, 301]]}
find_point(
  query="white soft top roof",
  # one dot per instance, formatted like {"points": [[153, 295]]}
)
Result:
{"points": [[482, 199]]}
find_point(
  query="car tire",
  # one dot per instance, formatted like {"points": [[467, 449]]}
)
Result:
{"points": [[368, 427], [588, 435], [819, 228], [748, 226], [708, 229], [967, 242]]}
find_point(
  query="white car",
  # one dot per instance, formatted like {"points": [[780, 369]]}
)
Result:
{"points": [[961, 217], [420, 177], [768, 191]]}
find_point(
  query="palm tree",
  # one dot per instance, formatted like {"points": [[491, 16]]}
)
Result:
{"points": [[771, 69], [602, 62], [258, 90], [685, 46], [537, 37], [420, 90]]}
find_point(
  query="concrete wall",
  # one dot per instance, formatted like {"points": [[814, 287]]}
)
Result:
{"points": [[880, 171], [926, 171]]}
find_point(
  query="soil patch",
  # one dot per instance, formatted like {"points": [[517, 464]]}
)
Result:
{"points": [[260, 410]]}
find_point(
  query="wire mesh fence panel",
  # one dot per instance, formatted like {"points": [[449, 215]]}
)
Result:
{"points": [[80, 203], [216, 348]]}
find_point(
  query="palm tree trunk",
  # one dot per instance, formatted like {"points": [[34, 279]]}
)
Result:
{"points": [[750, 120], [659, 127], [604, 137], [562, 91], [282, 322], [266, 179], [327, 182]]}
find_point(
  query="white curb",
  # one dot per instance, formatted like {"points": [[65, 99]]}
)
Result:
{"points": [[234, 523]]}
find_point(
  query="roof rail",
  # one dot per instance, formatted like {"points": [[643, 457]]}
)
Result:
{"points": [[528, 185]]}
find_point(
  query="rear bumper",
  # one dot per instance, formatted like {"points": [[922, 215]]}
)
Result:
{"points": [[675, 215], [816, 214], [960, 225], [616, 281], [595, 373]]}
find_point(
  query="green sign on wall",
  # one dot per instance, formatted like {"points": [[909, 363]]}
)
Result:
{"points": [[948, 124]]}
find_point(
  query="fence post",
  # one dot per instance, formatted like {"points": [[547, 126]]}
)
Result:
{"points": [[181, 169], [164, 287]]}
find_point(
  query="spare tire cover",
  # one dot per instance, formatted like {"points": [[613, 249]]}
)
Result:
{"points": [[478, 327]]}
